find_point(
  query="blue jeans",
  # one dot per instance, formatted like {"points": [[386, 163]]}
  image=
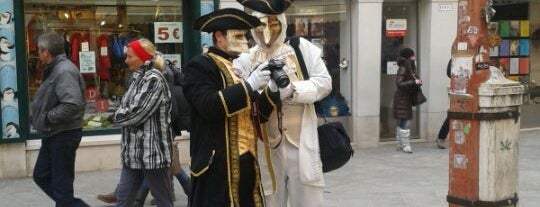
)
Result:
{"points": [[54, 171], [404, 123]]}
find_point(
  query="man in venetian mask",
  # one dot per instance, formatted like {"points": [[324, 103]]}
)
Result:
{"points": [[227, 109], [293, 136]]}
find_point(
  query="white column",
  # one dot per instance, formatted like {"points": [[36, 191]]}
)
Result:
{"points": [[438, 24], [366, 71], [12, 160]]}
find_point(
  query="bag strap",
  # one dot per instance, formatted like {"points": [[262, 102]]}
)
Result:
{"points": [[295, 44]]}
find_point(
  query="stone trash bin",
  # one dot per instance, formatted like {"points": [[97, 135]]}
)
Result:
{"points": [[499, 139]]}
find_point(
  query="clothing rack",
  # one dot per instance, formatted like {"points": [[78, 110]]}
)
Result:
{"points": [[114, 31]]}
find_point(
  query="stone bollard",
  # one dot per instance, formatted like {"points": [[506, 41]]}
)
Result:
{"points": [[484, 172]]}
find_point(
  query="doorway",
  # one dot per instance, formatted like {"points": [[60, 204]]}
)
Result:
{"points": [[399, 30]]}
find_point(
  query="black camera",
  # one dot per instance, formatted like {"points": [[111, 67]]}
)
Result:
{"points": [[275, 66]]}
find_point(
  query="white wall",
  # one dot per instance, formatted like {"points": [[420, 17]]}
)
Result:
{"points": [[366, 47], [437, 33]]}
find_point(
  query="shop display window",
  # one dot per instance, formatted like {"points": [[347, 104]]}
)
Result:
{"points": [[96, 35], [320, 23], [514, 38]]}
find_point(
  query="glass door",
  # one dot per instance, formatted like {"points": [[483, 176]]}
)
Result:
{"points": [[399, 30]]}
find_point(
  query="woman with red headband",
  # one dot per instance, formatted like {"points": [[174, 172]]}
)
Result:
{"points": [[144, 115]]}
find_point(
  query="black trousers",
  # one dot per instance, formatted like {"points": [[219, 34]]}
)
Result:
{"points": [[443, 132], [54, 171], [247, 180]]}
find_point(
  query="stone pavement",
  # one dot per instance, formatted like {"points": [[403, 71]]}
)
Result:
{"points": [[378, 177]]}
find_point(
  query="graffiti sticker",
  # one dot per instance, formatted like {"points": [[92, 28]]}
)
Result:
{"points": [[460, 161], [459, 137]]}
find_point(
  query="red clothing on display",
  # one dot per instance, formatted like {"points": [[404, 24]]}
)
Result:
{"points": [[75, 40], [104, 60]]}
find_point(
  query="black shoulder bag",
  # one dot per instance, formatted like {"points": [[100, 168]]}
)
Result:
{"points": [[334, 143]]}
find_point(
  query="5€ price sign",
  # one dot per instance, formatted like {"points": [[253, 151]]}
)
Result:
{"points": [[168, 32]]}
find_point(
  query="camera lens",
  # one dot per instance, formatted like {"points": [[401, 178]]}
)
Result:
{"points": [[277, 73]]}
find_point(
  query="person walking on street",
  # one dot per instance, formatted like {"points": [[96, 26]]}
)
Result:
{"points": [[445, 128], [144, 115], [406, 82], [180, 120], [57, 115]]}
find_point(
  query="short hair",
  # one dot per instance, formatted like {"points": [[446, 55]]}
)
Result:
{"points": [[52, 42], [214, 39]]}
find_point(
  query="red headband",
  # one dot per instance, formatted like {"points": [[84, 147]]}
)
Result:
{"points": [[139, 51]]}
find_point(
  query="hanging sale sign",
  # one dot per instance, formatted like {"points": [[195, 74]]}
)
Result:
{"points": [[168, 32], [396, 27]]}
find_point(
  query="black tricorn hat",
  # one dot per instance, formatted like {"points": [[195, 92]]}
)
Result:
{"points": [[226, 19], [267, 6]]}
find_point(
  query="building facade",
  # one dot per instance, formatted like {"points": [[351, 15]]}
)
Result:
{"points": [[360, 40]]}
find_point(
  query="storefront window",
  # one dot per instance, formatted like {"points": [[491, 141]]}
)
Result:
{"points": [[96, 34], [321, 22], [514, 37]]}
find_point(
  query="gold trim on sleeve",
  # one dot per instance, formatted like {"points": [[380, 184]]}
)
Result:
{"points": [[224, 103], [268, 97]]}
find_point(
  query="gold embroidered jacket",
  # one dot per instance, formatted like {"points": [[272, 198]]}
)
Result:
{"points": [[216, 102]]}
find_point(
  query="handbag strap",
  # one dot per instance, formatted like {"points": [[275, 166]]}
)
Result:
{"points": [[295, 44]]}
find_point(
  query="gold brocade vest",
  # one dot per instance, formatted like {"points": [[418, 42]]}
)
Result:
{"points": [[240, 138], [292, 112]]}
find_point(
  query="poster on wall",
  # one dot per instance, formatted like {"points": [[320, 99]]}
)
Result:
{"points": [[316, 27], [9, 112], [176, 59], [206, 38], [301, 27]]}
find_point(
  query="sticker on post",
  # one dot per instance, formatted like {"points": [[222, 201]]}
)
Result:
{"points": [[460, 161], [461, 46], [459, 137], [480, 55], [462, 71], [472, 30], [467, 128], [457, 124]]}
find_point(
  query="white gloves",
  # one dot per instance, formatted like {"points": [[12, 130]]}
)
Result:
{"points": [[259, 77]]}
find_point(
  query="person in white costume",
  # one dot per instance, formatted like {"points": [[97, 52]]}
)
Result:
{"points": [[295, 156]]}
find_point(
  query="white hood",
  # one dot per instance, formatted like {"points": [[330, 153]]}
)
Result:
{"points": [[280, 40]]}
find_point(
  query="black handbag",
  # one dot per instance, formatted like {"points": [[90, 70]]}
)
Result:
{"points": [[334, 143], [417, 96]]}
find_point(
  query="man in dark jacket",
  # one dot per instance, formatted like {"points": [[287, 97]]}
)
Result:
{"points": [[226, 114], [57, 115]]}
